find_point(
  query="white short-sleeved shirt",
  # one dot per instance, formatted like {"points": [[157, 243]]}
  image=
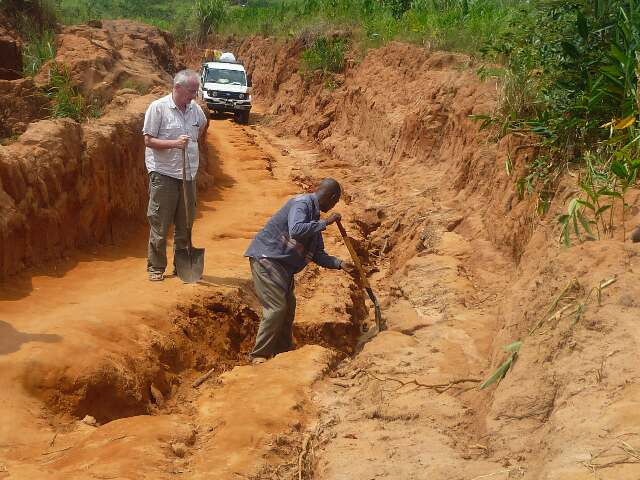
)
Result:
{"points": [[165, 121]]}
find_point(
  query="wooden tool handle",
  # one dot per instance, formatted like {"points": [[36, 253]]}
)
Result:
{"points": [[354, 255]]}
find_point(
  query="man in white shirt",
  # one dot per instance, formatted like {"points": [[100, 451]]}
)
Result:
{"points": [[172, 124]]}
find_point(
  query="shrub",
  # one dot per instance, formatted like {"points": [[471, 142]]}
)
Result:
{"points": [[326, 55], [209, 16]]}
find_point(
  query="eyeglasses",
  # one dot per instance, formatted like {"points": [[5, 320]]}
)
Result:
{"points": [[190, 90]]}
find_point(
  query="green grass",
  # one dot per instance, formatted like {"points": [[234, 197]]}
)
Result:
{"points": [[80, 11], [39, 48], [448, 24], [567, 67], [67, 102], [326, 55], [452, 24], [571, 81]]}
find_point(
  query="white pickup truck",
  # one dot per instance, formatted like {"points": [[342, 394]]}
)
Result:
{"points": [[226, 88]]}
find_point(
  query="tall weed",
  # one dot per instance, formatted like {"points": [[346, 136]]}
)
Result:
{"points": [[39, 49], [66, 100], [580, 57], [209, 15], [326, 55]]}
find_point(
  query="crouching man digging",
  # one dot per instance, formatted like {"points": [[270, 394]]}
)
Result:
{"points": [[287, 243]]}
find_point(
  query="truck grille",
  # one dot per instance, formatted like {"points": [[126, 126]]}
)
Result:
{"points": [[229, 95]]}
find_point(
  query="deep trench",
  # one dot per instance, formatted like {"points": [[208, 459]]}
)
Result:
{"points": [[212, 331]]}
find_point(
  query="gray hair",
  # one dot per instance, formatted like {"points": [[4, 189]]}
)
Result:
{"points": [[183, 77]]}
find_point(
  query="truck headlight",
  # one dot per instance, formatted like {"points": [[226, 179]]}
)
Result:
{"points": [[241, 96], [213, 93]]}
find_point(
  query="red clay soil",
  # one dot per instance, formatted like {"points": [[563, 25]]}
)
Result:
{"points": [[98, 339], [462, 265], [466, 267], [10, 54], [66, 185], [109, 55], [21, 103]]}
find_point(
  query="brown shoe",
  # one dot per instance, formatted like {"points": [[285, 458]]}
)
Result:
{"points": [[258, 360]]}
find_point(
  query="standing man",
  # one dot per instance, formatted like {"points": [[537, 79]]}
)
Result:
{"points": [[172, 128], [290, 239]]}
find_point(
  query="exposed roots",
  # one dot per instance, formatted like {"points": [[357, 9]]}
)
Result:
{"points": [[307, 456], [438, 387]]}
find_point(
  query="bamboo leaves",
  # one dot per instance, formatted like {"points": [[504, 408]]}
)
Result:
{"points": [[512, 349]]}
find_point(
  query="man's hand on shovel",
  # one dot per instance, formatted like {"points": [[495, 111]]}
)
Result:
{"points": [[181, 142], [350, 268], [333, 218]]}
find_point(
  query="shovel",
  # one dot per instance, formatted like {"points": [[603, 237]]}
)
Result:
{"points": [[363, 278], [189, 261]]}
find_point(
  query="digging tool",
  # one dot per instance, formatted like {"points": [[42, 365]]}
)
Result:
{"points": [[363, 278], [189, 261]]}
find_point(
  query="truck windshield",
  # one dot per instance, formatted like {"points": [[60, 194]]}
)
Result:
{"points": [[232, 77]]}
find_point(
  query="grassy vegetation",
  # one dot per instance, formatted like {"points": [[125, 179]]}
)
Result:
{"points": [[576, 64], [184, 20], [447, 24], [39, 48], [567, 70], [29, 15], [35, 20], [67, 101], [209, 16], [326, 55], [163, 14]]}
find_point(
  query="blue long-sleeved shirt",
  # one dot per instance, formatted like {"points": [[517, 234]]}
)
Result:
{"points": [[293, 236]]}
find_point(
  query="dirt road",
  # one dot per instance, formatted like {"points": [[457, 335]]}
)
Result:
{"points": [[90, 336]]}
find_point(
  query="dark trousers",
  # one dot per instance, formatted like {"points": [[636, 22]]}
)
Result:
{"points": [[278, 310]]}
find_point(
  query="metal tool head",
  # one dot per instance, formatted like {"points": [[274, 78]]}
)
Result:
{"points": [[189, 264]]}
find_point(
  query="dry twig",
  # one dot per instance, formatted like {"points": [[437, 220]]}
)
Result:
{"points": [[630, 456], [519, 470], [203, 378]]}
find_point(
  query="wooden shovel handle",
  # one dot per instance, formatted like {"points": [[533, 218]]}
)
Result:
{"points": [[354, 255]]}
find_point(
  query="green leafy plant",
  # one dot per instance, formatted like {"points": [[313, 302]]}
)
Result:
{"points": [[606, 178], [512, 349], [573, 68]]}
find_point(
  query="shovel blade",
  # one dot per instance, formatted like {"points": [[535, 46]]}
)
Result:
{"points": [[189, 264], [376, 308]]}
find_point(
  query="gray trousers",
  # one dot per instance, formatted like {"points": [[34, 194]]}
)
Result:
{"points": [[278, 311], [166, 208]]}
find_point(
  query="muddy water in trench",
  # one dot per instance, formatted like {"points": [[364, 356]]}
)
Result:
{"points": [[91, 335]]}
